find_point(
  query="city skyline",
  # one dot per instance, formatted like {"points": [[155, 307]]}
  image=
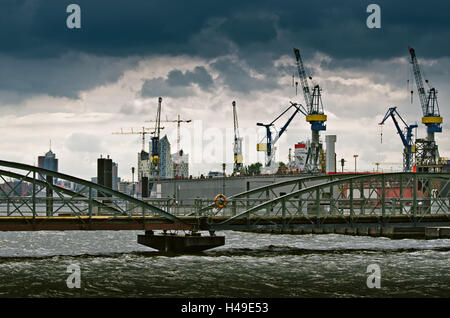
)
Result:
{"points": [[90, 84]]}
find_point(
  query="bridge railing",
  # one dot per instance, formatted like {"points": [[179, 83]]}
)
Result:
{"points": [[412, 195], [27, 191]]}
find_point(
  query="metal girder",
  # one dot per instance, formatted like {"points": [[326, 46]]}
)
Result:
{"points": [[244, 199], [415, 196], [80, 202]]}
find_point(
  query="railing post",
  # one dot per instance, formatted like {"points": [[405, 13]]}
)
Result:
{"points": [[34, 195], [299, 199], [401, 195], [362, 208], [383, 196], [318, 203], [352, 211], [49, 195], [90, 203], [415, 196]]}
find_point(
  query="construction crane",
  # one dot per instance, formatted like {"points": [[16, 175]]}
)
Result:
{"points": [[431, 116], [132, 132], [405, 135], [155, 153], [237, 147], [314, 114], [178, 121], [268, 146]]}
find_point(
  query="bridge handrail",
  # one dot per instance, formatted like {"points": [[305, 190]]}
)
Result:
{"points": [[98, 187], [277, 185], [326, 184]]}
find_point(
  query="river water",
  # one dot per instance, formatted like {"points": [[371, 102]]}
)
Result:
{"points": [[112, 264]]}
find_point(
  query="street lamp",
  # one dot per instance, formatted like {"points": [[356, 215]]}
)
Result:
{"points": [[356, 156]]}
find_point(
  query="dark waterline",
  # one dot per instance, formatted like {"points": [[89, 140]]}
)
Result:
{"points": [[34, 264]]}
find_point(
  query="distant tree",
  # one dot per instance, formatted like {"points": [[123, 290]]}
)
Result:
{"points": [[253, 169], [282, 168]]}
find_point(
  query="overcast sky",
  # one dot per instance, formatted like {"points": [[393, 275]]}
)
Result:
{"points": [[78, 86]]}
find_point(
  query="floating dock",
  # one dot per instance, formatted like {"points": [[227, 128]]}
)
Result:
{"points": [[169, 243]]}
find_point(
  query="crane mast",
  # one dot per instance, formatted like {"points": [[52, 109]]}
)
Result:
{"points": [[429, 153], [303, 78], [405, 135], [268, 147], [178, 121], [237, 147], [155, 153], [430, 108], [315, 115]]}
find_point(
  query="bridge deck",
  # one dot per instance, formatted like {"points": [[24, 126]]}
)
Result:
{"points": [[86, 223]]}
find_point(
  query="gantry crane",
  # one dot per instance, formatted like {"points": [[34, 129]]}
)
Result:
{"points": [[406, 137], [237, 146], [314, 114], [431, 117], [178, 121], [268, 147]]}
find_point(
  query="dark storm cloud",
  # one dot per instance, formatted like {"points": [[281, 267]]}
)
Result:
{"points": [[199, 76], [338, 28], [157, 87], [178, 84], [64, 76], [236, 77], [33, 32]]}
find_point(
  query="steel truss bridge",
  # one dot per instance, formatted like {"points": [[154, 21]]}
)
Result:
{"points": [[30, 200]]}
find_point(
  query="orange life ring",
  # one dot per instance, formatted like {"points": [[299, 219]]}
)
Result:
{"points": [[220, 201]]}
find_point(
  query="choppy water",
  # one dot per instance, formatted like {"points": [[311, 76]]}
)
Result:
{"points": [[34, 264]]}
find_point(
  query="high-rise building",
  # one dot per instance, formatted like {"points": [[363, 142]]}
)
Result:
{"points": [[166, 159], [183, 160], [115, 177], [143, 165], [48, 161]]}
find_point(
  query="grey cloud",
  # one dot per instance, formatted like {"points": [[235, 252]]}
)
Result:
{"points": [[199, 76], [178, 84], [82, 142], [237, 78], [159, 87], [64, 76]]}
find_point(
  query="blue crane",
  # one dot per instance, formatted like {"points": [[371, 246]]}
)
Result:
{"points": [[314, 114], [406, 136], [432, 119], [270, 143]]}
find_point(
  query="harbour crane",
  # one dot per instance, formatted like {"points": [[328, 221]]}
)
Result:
{"points": [[314, 114], [431, 116], [268, 147], [178, 121], [237, 146], [406, 136]]}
